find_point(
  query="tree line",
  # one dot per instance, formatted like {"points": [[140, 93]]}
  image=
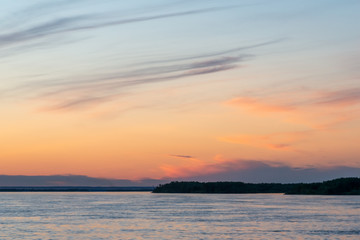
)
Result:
{"points": [[340, 186]]}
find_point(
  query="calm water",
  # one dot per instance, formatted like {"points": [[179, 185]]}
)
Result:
{"points": [[178, 216]]}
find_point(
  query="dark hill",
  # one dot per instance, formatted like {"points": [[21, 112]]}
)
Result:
{"points": [[341, 186]]}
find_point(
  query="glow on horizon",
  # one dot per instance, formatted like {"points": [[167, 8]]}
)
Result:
{"points": [[167, 89]]}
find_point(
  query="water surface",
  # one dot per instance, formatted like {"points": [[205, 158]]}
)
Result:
{"points": [[177, 216]]}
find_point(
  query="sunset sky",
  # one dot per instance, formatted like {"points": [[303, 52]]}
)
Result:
{"points": [[179, 89]]}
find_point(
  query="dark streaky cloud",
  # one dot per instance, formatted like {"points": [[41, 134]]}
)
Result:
{"points": [[341, 97], [84, 90], [83, 22], [181, 156], [72, 180]]}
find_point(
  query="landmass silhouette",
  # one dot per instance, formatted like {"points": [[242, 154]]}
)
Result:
{"points": [[340, 186]]}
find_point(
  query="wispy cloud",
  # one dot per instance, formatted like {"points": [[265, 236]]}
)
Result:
{"points": [[181, 156], [218, 53], [101, 88], [313, 108], [285, 141], [341, 98], [40, 31], [259, 105], [299, 98], [66, 24], [81, 91]]}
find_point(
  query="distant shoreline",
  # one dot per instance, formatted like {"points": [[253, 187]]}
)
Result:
{"points": [[340, 186], [76, 189]]}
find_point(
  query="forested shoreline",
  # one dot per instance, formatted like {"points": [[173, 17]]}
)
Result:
{"points": [[340, 186]]}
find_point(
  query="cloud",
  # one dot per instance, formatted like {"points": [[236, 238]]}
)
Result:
{"points": [[76, 103], [255, 171], [281, 174], [280, 146], [39, 30], [201, 167], [258, 105], [312, 108], [88, 90], [219, 170], [72, 180], [277, 141], [341, 98], [218, 53], [181, 156], [295, 100], [139, 75]]}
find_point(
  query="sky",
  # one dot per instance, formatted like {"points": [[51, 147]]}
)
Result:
{"points": [[165, 90]]}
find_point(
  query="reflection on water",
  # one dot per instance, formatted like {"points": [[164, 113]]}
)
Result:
{"points": [[177, 216]]}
